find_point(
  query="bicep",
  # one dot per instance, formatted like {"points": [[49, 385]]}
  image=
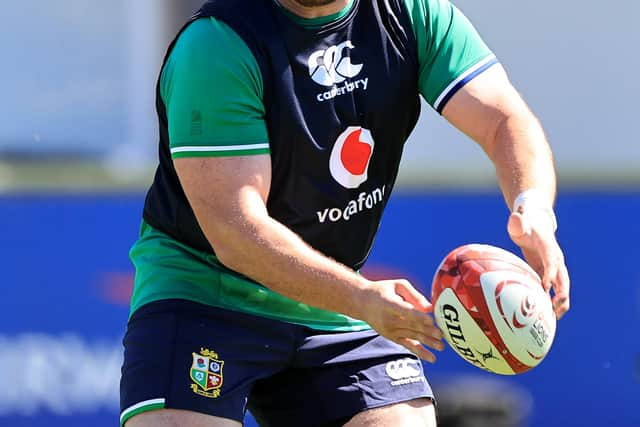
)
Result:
{"points": [[478, 108], [225, 191]]}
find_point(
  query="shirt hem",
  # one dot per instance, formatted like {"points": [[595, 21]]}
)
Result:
{"points": [[318, 325], [228, 153]]}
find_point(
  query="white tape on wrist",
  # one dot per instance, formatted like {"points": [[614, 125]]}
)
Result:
{"points": [[534, 199]]}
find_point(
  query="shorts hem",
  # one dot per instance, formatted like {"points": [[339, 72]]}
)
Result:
{"points": [[140, 407], [395, 402], [365, 407]]}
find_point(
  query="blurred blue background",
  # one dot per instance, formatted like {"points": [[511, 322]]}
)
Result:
{"points": [[78, 148]]}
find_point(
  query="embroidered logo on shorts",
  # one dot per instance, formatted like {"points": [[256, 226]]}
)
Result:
{"points": [[404, 371], [206, 373]]}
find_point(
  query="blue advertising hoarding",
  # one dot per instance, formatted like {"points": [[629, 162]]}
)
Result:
{"points": [[65, 280]]}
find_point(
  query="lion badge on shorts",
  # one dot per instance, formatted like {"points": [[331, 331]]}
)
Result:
{"points": [[206, 373]]}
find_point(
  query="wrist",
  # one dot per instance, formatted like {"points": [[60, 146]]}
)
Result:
{"points": [[534, 200], [362, 297]]}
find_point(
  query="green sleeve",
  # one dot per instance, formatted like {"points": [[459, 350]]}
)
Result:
{"points": [[450, 51], [212, 89]]}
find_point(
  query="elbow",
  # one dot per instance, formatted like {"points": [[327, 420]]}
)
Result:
{"points": [[224, 247], [225, 255], [230, 240], [233, 256]]}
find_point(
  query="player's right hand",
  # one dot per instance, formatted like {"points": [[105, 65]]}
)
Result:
{"points": [[397, 311]]}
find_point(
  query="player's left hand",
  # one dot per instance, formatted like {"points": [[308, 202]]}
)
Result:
{"points": [[534, 232]]}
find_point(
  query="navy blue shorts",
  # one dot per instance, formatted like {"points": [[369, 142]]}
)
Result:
{"points": [[183, 355]]}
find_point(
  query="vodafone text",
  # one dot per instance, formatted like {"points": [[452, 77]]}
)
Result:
{"points": [[347, 87], [365, 201]]}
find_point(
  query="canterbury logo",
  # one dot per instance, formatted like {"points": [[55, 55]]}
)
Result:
{"points": [[330, 66], [404, 371], [403, 368]]}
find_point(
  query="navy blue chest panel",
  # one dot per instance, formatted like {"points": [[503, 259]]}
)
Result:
{"points": [[340, 102]]}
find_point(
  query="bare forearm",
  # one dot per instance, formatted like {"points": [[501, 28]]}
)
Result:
{"points": [[228, 196], [268, 252], [522, 157], [491, 112]]}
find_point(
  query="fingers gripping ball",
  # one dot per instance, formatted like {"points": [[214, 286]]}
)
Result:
{"points": [[492, 309]]}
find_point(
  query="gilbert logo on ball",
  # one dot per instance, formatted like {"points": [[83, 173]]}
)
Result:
{"points": [[350, 156], [492, 309]]}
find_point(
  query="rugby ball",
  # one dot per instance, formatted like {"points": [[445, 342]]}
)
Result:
{"points": [[492, 309]]}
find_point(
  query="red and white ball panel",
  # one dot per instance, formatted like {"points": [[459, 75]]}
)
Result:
{"points": [[492, 309]]}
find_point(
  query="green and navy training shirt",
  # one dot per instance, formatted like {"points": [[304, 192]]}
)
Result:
{"points": [[332, 100]]}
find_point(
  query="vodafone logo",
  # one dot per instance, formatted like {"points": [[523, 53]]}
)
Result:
{"points": [[348, 164], [350, 157]]}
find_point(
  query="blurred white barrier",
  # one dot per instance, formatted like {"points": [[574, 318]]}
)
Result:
{"points": [[61, 374]]}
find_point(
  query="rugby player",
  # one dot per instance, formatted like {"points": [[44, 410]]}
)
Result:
{"points": [[282, 124]]}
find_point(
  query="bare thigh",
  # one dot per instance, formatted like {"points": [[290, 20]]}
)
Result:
{"points": [[177, 418], [415, 413]]}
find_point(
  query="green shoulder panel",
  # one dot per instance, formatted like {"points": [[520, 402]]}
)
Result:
{"points": [[212, 89], [450, 50]]}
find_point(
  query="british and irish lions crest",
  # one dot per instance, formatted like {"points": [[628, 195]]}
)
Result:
{"points": [[206, 373]]}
